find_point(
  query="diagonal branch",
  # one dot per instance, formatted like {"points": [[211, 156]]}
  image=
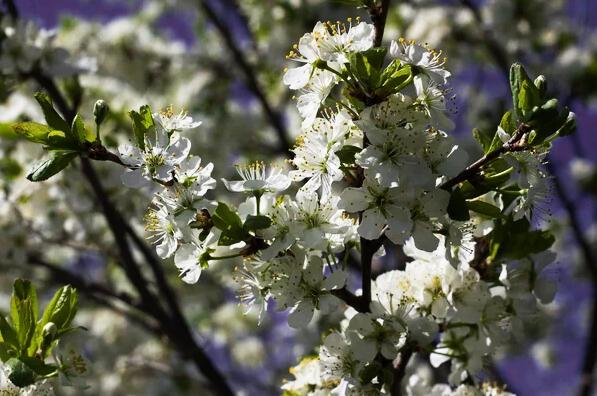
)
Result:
{"points": [[250, 77], [475, 168], [99, 293]]}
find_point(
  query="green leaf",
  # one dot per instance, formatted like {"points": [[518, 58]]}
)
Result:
{"points": [[7, 131], [457, 209], [366, 66], [61, 311], [39, 133], [47, 168], [549, 122], [347, 154], [525, 244], [230, 224], [19, 373], [54, 120], [484, 138], [515, 240], [253, 223], [6, 351], [525, 95], [508, 124], [484, 208], [80, 132], [32, 131], [394, 78], [62, 308], [9, 335], [38, 366], [23, 311], [142, 123]]}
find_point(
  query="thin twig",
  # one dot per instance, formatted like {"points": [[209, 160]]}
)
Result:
{"points": [[250, 77], [99, 293], [514, 144]]}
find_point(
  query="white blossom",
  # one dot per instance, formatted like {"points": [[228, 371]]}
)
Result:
{"points": [[257, 179], [427, 61], [158, 160]]}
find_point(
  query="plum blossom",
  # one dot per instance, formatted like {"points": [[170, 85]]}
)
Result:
{"points": [[172, 122], [315, 153], [158, 160], [427, 61], [258, 179]]}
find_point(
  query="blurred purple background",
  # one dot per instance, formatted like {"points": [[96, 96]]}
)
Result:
{"points": [[521, 372]]}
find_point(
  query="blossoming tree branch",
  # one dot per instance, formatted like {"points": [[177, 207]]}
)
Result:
{"points": [[374, 169]]}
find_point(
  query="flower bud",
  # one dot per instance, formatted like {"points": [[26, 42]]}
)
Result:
{"points": [[100, 111], [541, 84], [49, 331]]}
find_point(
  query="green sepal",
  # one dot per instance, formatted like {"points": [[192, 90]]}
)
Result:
{"points": [[396, 78], [366, 66], [142, 123], [230, 224], [525, 95], [80, 132], [254, 223]]}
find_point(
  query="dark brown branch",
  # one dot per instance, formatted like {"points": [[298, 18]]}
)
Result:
{"points": [[175, 324], [400, 369], [516, 143], [250, 77], [351, 299], [99, 293], [368, 249], [12, 9], [378, 15]]}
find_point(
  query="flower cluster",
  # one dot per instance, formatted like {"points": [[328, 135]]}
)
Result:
{"points": [[375, 163], [174, 219], [375, 169]]}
